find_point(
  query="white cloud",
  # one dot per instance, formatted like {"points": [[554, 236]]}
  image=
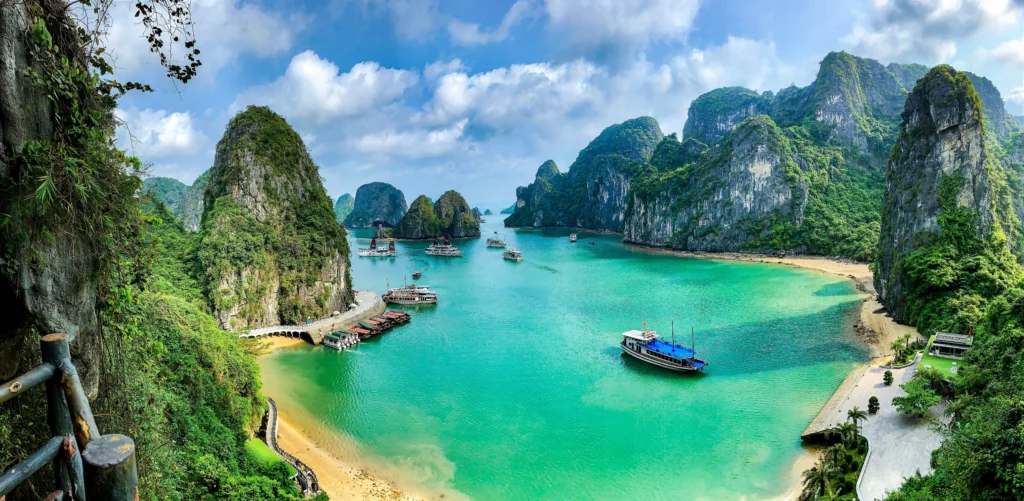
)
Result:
{"points": [[436, 69], [470, 33], [224, 30], [412, 143], [602, 26], [156, 134], [411, 19], [313, 92], [927, 30], [1010, 52], [1016, 96]]}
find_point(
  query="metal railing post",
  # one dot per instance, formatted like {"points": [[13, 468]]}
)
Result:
{"points": [[67, 465]]}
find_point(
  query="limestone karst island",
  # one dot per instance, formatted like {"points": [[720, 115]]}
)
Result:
{"points": [[515, 250]]}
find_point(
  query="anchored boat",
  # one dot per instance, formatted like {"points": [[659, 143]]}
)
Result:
{"points": [[410, 294], [374, 251], [496, 242], [444, 250], [572, 237], [645, 345], [512, 254], [417, 274]]}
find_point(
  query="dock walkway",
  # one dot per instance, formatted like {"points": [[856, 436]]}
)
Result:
{"points": [[368, 304]]}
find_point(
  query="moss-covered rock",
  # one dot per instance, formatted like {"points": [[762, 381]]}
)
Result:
{"points": [[184, 201], [343, 207], [450, 215], [376, 203], [271, 248]]}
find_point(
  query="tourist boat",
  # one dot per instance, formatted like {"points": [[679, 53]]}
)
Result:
{"points": [[496, 242], [512, 254], [444, 250], [417, 274], [339, 340], [374, 251], [572, 237], [410, 294], [646, 346]]}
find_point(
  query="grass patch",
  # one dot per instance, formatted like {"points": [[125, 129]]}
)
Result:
{"points": [[264, 454], [943, 365]]}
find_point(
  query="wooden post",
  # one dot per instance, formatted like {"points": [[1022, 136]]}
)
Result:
{"points": [[67, 465], [110, 468]]}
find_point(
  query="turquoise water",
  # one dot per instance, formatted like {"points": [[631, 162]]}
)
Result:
{"points": [[513, 387]]}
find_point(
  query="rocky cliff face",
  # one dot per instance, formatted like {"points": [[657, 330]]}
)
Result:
{"points": [[997, 120], [376, 203], [343, 207], [48, 284], [940, 161], [713, 115], [593, 193], [184, 201], [271, 248], [450, 215], [723, 202]]}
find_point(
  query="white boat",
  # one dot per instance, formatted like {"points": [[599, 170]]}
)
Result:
{"points": [[410, 294], [645, 345], [512, 254], [496, 242], [572, 237], [374, 251], [444, 250]]}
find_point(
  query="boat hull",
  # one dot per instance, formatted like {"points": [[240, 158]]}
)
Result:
{"points": [[409, 301], [656, 361]]}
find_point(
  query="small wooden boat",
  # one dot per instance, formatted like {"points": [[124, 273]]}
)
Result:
{"points": [[417, 274]]}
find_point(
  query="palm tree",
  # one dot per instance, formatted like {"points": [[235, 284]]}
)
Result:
{"points": [[832, 456], [831, 494], [956, 408], [815, 481], [856, 415], [897, 349], [849, 433]]}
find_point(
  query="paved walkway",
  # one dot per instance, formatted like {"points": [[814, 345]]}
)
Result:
{"points": [[900, 445], [368, 304]]}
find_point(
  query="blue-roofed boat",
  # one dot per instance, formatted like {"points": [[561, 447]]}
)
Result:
{"points": [[645, 345]]}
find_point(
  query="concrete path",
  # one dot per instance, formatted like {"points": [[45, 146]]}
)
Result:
{"points": [[900, 445]]}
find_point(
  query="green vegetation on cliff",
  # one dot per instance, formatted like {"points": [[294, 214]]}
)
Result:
{"points": [[450, 215], [419, 221], [343, 207]]}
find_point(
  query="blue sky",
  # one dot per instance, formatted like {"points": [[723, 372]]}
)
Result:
{"points": [[431, 95]]}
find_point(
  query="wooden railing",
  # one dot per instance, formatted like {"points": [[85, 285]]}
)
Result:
{"points": [[307, 479], [86, 465]]}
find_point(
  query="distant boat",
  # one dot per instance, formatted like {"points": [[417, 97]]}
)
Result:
{"points": [[445, 250], [417, 274], [374, 251], [496, 242], [645, 345], [512, 254], [572, 237]]}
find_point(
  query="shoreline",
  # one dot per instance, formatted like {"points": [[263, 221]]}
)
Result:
{"points": [[872, 327]]}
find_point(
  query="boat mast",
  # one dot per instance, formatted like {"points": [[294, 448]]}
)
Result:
{"points": [[673, 332], [693, 342]]}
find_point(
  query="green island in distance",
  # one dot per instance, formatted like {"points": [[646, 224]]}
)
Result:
{"points": [[323, 303]]}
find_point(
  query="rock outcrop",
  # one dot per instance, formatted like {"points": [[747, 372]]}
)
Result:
{"points": [[450, 215], [343, 207], [271, 248], [997, 120], [487, 212], [184, 201], [376, 203], [508, 210], [713, 115], [724, 201], [939, 162], [593, 193]]}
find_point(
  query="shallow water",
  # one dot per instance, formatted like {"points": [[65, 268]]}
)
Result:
{"points": [[513, 387]]}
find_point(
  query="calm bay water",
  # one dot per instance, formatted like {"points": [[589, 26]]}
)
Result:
{"points": [[513, 387]]}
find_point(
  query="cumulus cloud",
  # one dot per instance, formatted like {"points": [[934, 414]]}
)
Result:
{"points": [[927, 30], [412, 143], [411, 19], [1010, 53], [1016, 96], [154, 135], [471, 34], [313, 91], [224, 29], [611, 28]]}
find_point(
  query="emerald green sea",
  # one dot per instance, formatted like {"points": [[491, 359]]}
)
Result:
{"points": [[513, 386]]}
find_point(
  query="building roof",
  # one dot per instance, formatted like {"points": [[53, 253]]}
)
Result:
{"points": [[953, 340]]}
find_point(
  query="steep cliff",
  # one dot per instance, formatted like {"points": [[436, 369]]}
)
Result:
{"points": [[450, 215], [997, 120], [941, 183], [271, 248], [376, 203], [722, 201], [593, 193], [184, 201], [508, 210], [713, 115], [343, 207]]}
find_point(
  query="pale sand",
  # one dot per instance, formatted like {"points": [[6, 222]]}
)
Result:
{"points": [[270, 344], [340, 481]]}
